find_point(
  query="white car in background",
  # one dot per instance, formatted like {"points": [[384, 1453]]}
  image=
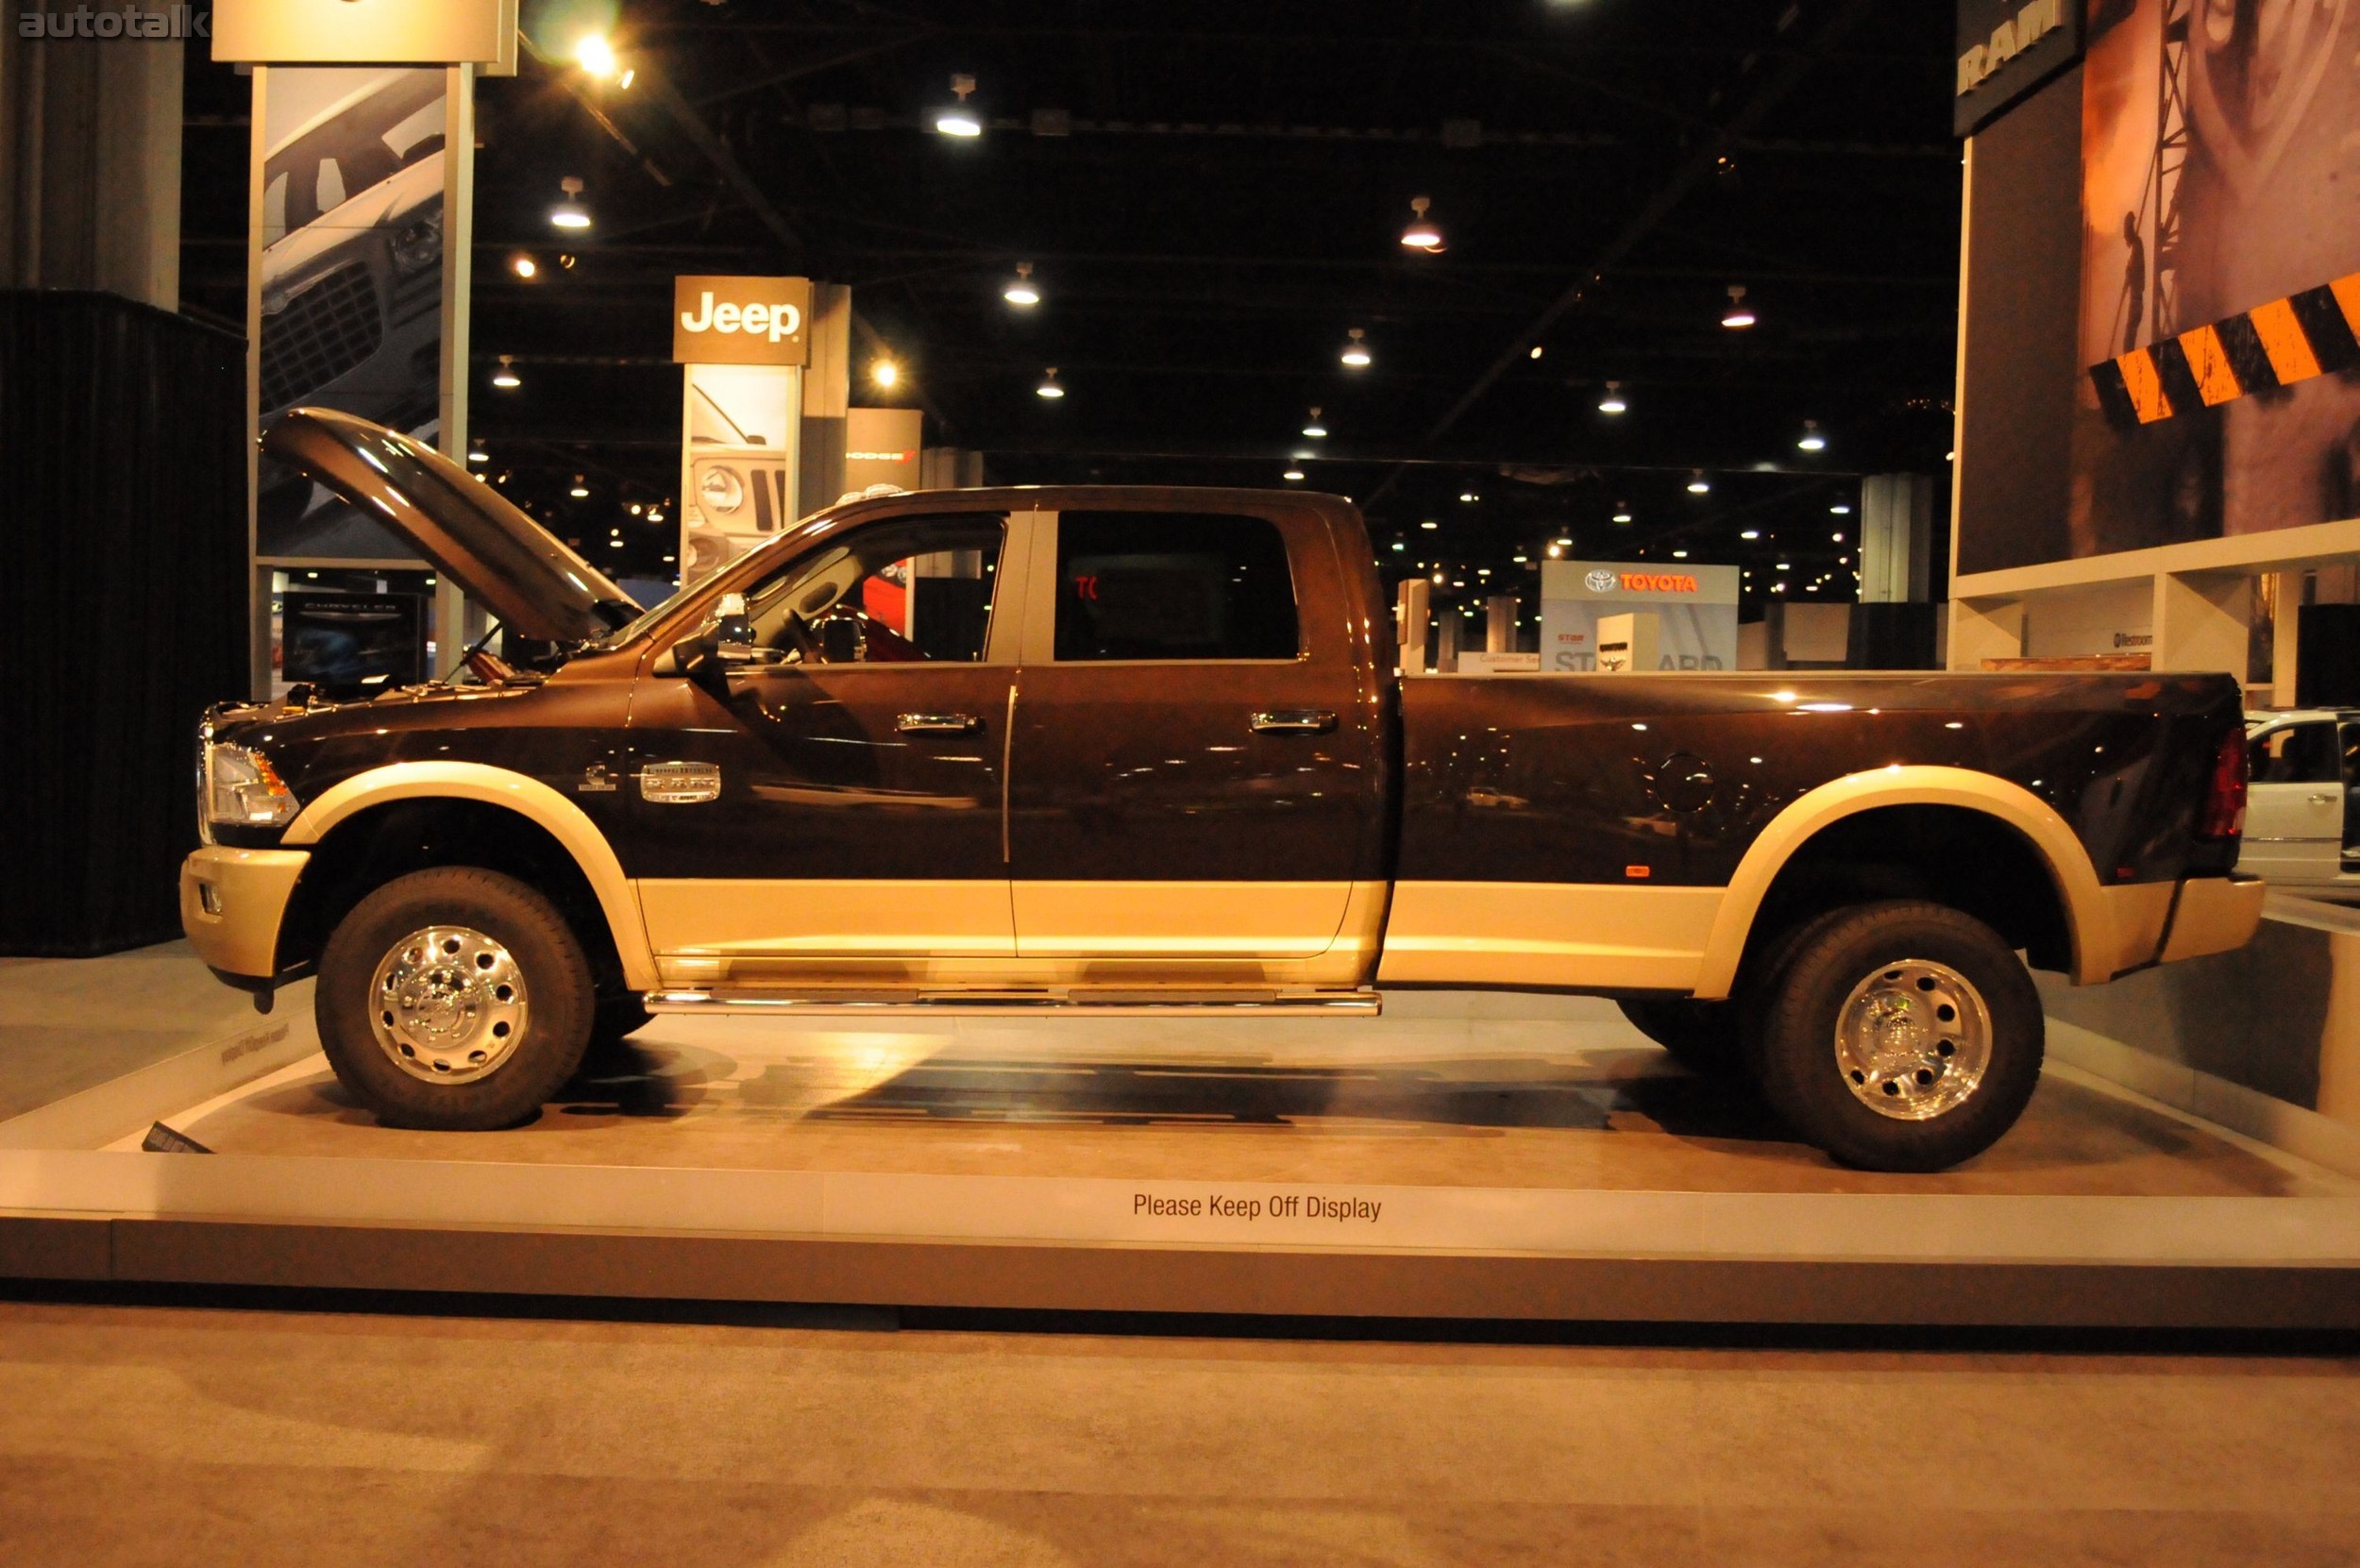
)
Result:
{"points": [[2301, 830]]}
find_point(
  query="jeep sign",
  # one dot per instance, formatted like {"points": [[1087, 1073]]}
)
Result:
{"points": [[740, 320]]}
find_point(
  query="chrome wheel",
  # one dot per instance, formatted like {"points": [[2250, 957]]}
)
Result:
{"points": [[1914, 1039], [447, 1005]]}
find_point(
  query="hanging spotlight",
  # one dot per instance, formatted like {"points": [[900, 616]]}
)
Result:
{"points": [[1316, 431], [1679, 555], [580, 491], [1469, 497], [1697, 483], [1842, 509], [476, 454], [1429, 524], [1621, 513], [596, 55], [571, 214], [1356, 352], [1556, 551], [1294, 473], [505, 376], [1612, 402], [1811, 439], [959, 119], [1751, 533], [523, 265], [1421, 234], [1536, 352], [1022, 294], [1740, 313], [1048, 387], [882, 371]]}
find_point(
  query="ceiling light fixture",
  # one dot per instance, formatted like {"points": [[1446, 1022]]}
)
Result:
{"points": [[1699, 484], [571, 214], [505, 376], [882, 371], [1356, 352], [1023, 292], [1556, 551], [959, 119], [1811, 441], [1621, 513], [1751, 533], [1429, 523], [1048, 387], [1293, 475], [1842, 509], [1536, 352], [476, 454], [524, 265], [1422, 234], [580, 491], [1469, 497], [1316, 431], [1740, 313], [1679, 555], [1612, 402]]}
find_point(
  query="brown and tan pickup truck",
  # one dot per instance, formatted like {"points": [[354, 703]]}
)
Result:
{"points": [[1098, 748]]}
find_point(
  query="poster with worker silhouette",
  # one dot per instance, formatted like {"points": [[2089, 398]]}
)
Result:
{"points": [[2220, 271]]}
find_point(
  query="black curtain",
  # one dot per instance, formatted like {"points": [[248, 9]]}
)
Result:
{"points": [[123, 607]]}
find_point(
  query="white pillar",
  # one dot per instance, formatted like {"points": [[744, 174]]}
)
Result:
{"points": [[1499, 623], [1896, 532], [1413, 612]]}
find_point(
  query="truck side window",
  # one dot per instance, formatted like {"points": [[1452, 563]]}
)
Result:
{"points": [[1173, 585], [913, 591], [2297, 753]]}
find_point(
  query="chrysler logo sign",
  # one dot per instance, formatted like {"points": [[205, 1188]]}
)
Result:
{"points": [[740, 320]]}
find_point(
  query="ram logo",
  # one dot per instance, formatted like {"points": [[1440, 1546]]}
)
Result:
{"points": [[1603, 582]]}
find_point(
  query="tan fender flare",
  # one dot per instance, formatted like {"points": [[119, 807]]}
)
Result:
{"points": [[528, 798], [2089, 915]]}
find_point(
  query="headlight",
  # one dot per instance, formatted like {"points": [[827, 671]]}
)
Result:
{"points": [[420, 245], [243, 790], [721, 490]]}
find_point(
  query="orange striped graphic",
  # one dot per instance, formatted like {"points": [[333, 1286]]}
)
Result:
{"points": [[2282, 338], [2209, 362], [2146, 388]]}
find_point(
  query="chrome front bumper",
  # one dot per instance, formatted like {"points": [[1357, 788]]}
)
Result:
{"points": [[232, 903]]}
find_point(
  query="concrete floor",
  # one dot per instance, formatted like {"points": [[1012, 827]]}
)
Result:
{"points": [[153, 1435], [68, 1024]]}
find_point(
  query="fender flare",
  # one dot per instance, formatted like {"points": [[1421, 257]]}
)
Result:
{"points": [[528, 798], [2089, 918]]}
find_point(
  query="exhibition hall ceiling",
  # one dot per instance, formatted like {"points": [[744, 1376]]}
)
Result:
{"points": [[1209, 200]]}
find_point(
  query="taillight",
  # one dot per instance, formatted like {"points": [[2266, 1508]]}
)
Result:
{"points": [[2223, 815]]}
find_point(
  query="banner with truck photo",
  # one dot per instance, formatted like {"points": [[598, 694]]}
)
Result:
{"points": [[2220, 274]]}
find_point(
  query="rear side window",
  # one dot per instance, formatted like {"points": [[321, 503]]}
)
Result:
{"points": [[2296, 753], [1172, 586]]}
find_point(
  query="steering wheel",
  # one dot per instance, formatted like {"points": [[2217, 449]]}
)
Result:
{"points": [[806, 643]]}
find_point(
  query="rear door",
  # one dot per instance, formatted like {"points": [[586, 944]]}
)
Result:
{"points": [[2294, 826], [1195, 775]]}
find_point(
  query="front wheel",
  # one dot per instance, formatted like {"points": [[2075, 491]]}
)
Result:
{"points": [[1901, 1035], [455, 999]]}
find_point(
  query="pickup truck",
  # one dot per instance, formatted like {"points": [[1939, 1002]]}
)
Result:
{"points": [[1136, 748]]}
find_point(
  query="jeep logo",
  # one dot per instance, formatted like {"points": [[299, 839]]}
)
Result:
{"points": [[740, 320]]}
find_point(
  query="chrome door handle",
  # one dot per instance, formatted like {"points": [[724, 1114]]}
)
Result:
{"points": [[938, 724], [1292, 721], [2322, 799]]}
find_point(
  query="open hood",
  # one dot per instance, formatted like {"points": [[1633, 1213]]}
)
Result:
{"points": [[535, 585]]}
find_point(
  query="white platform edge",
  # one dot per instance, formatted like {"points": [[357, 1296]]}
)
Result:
{"points": [[2308, 1231], [2279, 1123]]}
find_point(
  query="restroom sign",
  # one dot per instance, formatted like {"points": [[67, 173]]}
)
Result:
{"points": [[741, 320]]}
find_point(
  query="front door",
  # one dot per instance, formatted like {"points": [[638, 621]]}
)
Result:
{"points": [[2294, 822], [833, 812], [1190, 794]]}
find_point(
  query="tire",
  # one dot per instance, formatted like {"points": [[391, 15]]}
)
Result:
{"points": [[1900, 1036], [1705, 1037], [454, 998]]}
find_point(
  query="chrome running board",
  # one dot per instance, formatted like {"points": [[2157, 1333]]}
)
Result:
{"points": [[1109, 1003]]}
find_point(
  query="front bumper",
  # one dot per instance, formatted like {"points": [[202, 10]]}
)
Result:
{"points": [[232, 903], [2213, 914]]}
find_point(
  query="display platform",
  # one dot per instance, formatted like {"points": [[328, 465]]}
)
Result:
{"points": [[1465, 1155]]}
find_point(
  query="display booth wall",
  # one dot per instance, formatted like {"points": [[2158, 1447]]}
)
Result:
{"points": [[122, 611]]}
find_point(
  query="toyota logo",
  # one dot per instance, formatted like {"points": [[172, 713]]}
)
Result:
{"points": [[1603, 582]]}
